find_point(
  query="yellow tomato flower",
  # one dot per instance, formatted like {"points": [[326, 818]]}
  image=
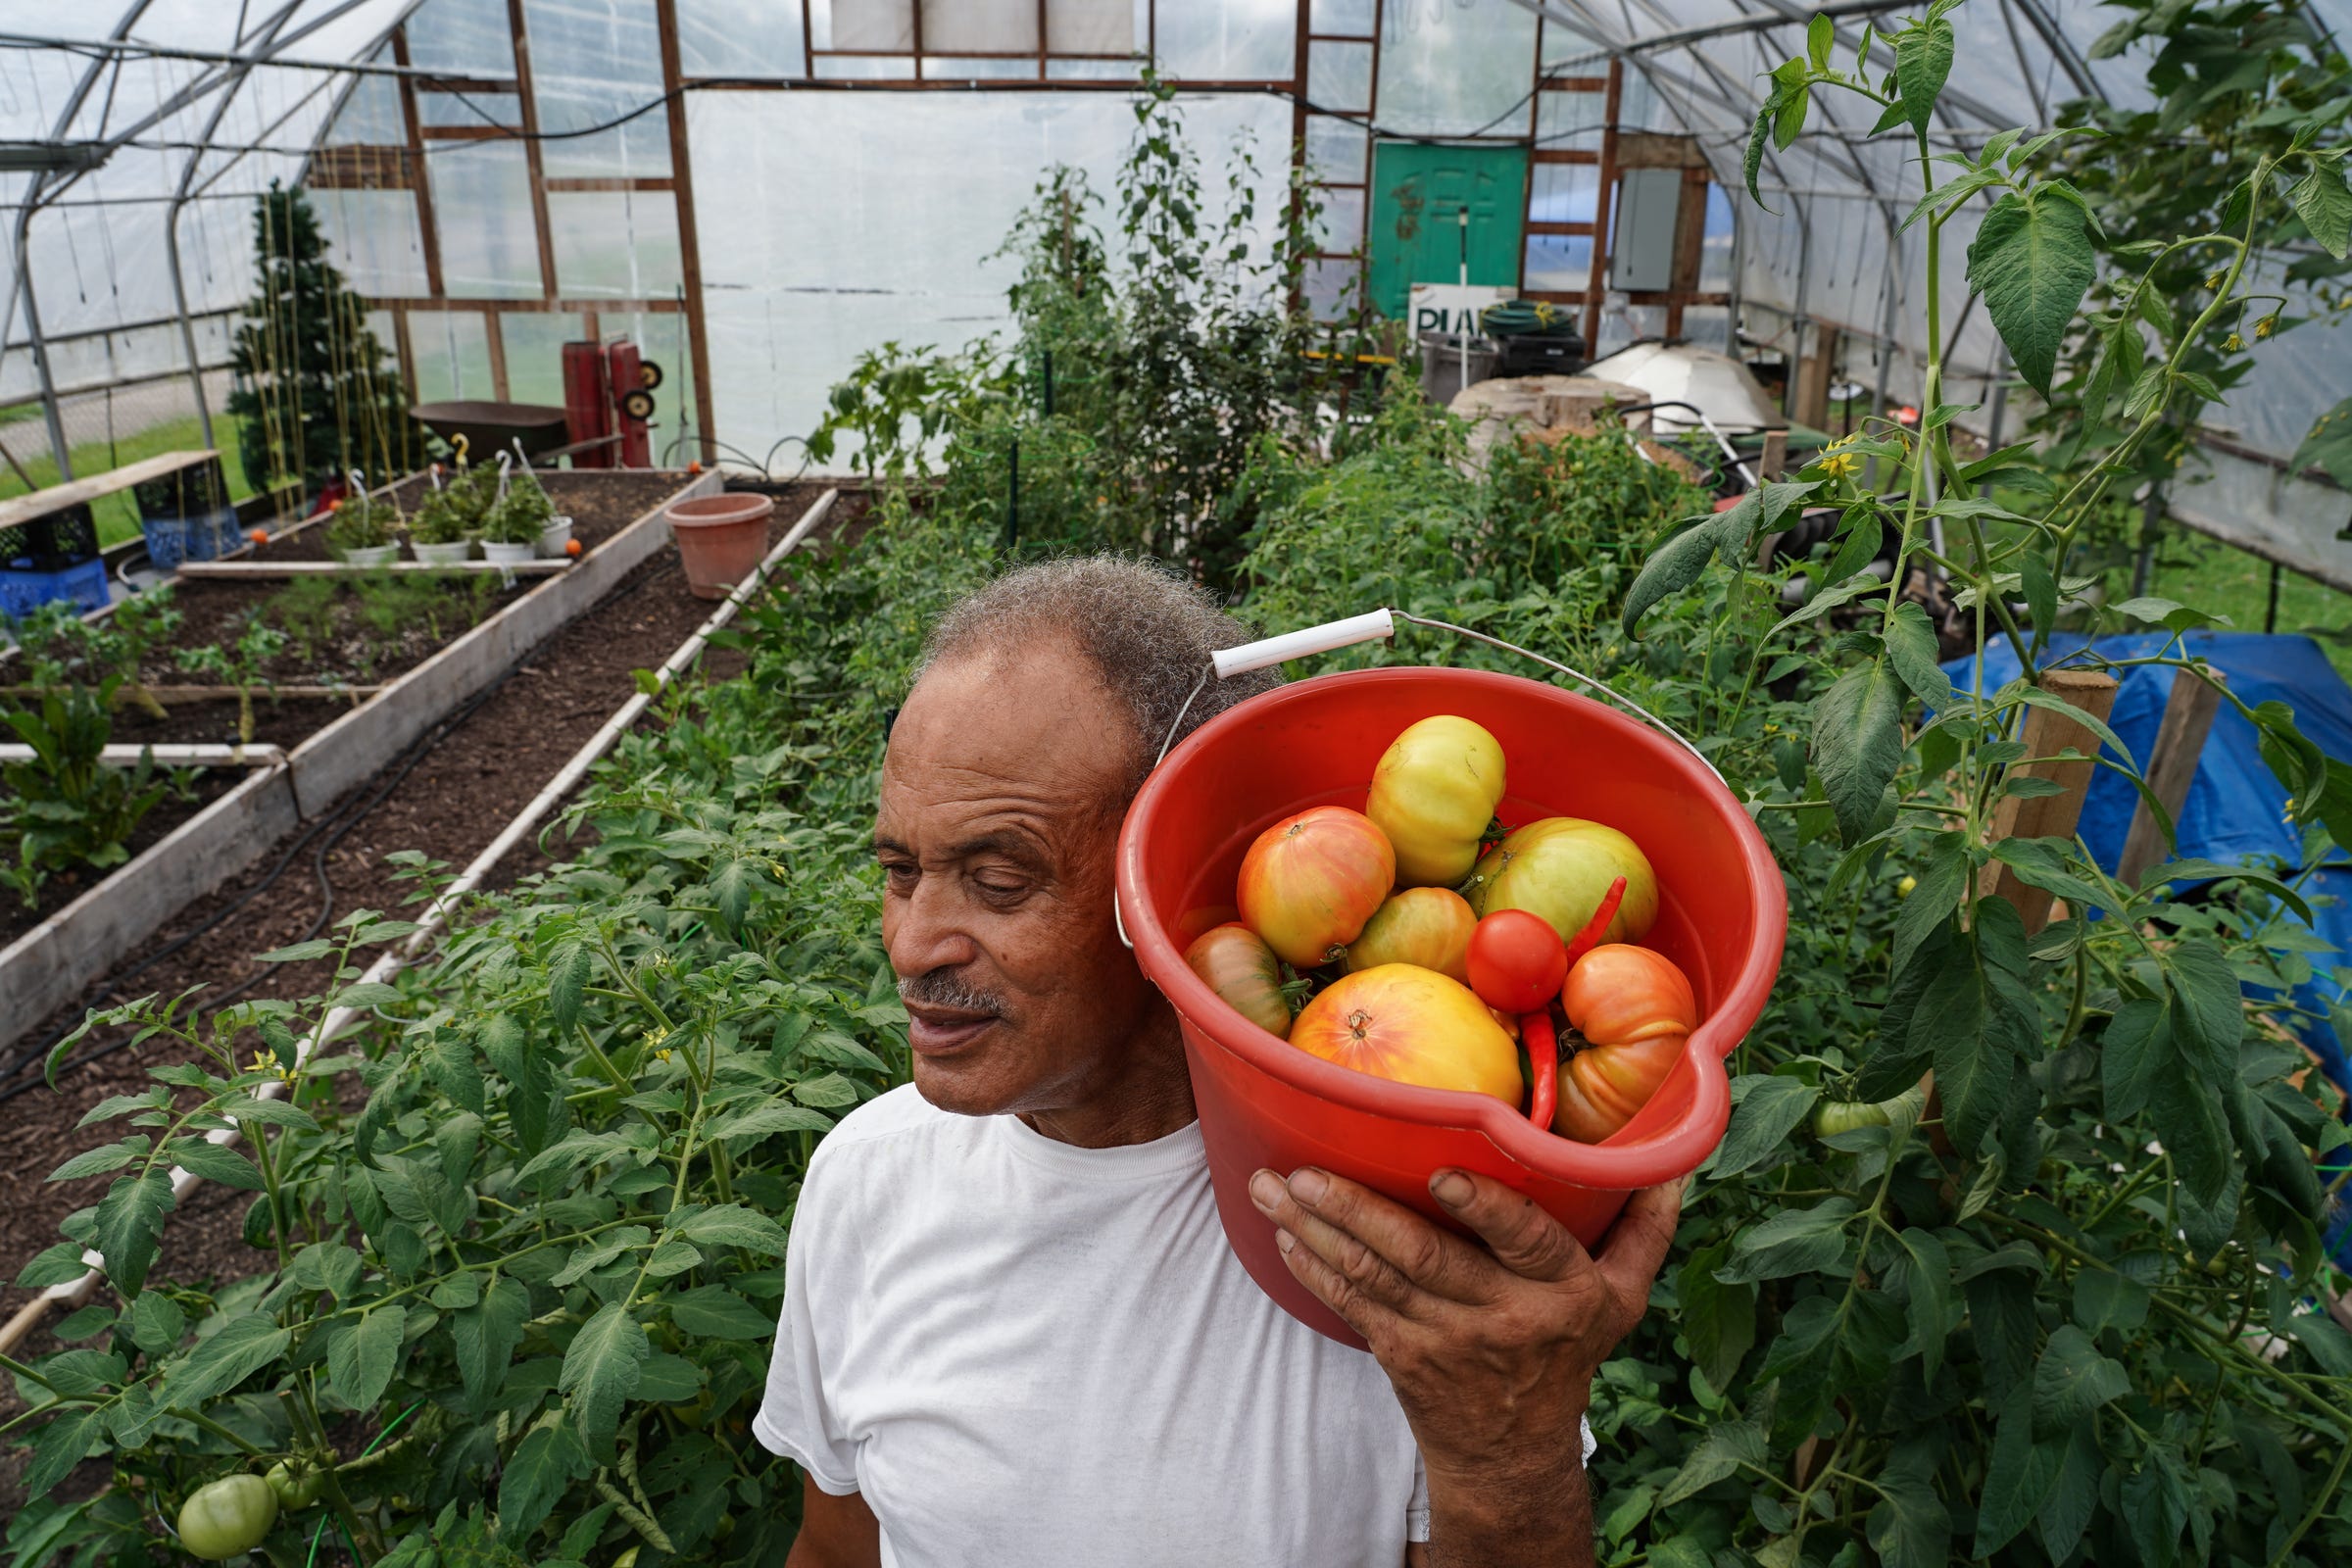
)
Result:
{"points": [[662, 1054], [2214, 282], [2265, 326], [1840, 464], [2234, 343]]}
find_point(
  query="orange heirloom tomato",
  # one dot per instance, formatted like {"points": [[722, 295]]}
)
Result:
{"points": [[1412, 1026], [1635, 1011], [1433, 794], [1425, 926], [1311, 881], [1241, 969]]}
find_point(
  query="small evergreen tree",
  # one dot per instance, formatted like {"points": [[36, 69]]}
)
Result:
{"points": [[315, 391]]}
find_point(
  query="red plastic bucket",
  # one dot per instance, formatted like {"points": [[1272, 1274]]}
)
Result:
{"points": [[721, 539], [1266, 1103]]}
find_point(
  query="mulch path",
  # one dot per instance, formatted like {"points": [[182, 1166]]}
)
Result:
{"points": [[450, 804]]}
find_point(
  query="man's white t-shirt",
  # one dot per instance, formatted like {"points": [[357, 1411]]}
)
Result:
{"points": [[1025, 1352]]}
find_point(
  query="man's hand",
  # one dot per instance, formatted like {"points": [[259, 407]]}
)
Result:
{"points": [[1491, 1349]]}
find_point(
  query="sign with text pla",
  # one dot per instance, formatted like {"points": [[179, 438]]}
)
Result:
{"points": [[1452, 307]]}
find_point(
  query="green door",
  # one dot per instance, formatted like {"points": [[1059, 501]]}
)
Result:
{"points": [[1418, 193]]}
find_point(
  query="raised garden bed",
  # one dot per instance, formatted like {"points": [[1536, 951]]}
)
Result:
{"points": [[403, 671]]}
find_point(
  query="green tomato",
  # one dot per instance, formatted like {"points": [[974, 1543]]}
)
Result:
{"points": [[1833, 1116], [296, 1489], [225, 1518]]}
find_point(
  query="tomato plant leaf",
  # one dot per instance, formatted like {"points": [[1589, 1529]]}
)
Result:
{"points": [[2212, 1019], [1795, 1241], [1923, 61], [547, 1461], [2032, 261], [2022, 1471], [57, 1263], [363, 1356], [767, 1118], [1765, 1109], [1858, 744], [128, 1225], [1911, 651], [105, 1158], [1674, 565], [214, 1163], [218, 1362], [1718, 1320], [1930, 1298], [567, 970], [717, 1312], [1943, 880], [2325, 203], [2137, 1041], [70, 1436], [1908, 1527], [1722, 1449], [2328, 444], [600, 1368], [1978, 1019], [731, 1225], [484, 1337]]}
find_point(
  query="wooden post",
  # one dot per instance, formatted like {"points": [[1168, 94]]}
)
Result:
{"points": [[2171, 767], [1775, 455], [2046, 733], [1809, 391]]}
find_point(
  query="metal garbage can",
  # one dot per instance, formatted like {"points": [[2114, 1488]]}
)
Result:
{"points": [[1446, 366]]}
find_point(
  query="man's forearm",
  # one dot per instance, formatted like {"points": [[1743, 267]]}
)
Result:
{"points": [[1496, 1520]]}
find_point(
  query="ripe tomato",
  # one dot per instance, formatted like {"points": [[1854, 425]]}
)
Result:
{"points": [[1311, 881], [1412, 1026], [1425, 926], [1433, 794], [1241, 969], [1560, 868], [226, 1517], [1635, 1010], [1516, 960]]}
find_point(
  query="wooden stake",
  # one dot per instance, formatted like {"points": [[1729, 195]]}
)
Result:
{"points": [[2047, 733], [2172, 768]]}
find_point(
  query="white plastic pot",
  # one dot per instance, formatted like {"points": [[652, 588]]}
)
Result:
{"points": [[447, 554], [370, 556], [508, 555], [553, 537]]}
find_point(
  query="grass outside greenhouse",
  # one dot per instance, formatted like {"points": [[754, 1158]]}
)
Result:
{"points": [[2014, 1249]]}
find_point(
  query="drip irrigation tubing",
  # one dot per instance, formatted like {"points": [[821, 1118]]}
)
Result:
{"points": [[350, 814]]}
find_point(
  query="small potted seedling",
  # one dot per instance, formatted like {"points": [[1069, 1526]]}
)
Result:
{"points": [[361, 532], [438, 532], [512, 527]]}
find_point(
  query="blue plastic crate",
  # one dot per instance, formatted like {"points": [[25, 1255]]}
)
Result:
{"points": [[24, 589], [204, 537]]}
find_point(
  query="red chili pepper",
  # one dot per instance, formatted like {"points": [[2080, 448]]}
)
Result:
{"points": [[1544, 1062], [1590, 937]]}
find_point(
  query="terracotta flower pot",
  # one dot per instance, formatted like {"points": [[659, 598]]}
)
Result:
{"points": [[721, 538]]}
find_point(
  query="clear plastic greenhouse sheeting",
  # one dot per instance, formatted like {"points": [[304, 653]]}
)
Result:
{"points": [[810, 259], [791, 293]]}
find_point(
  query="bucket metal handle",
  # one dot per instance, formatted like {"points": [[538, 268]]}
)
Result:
{"points": [[1378, 625]]}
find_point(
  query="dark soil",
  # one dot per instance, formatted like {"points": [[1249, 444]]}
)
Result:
{"points": [[451, 801], [600, 504]]}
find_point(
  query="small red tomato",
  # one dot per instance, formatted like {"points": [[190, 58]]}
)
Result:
{"points": [[694, 468], [1517, 960], [571, 547], [260, 536]]}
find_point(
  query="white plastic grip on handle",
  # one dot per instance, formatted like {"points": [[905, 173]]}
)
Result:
{"points": [[1374, 626]]}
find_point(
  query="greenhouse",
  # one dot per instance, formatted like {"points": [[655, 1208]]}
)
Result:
{"points": [[810, 782]]}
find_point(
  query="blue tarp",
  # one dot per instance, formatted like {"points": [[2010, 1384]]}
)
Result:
{"points": [[2237, 808]]}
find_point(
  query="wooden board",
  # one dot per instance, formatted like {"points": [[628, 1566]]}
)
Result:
{"points": [[41, 502], [232, 570]]}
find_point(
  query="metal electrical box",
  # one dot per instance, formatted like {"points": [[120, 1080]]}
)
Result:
{"points": [[1641, 244]]}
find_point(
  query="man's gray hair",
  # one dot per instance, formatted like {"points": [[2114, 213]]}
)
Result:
{"points": [[1147, 632]]}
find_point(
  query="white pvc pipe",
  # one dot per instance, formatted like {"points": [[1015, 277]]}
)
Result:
{"points": [[77, 1292], [177, 753]]}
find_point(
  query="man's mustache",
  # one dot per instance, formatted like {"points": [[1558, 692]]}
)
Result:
{"points": [[944, 987]]}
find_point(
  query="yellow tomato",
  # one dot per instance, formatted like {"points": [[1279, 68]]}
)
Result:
{"points": [[1560, 868], [1433, 794], [1425, 926]]}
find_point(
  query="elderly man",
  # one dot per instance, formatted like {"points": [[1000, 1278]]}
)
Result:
{"points": [[1013, 1332]]}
